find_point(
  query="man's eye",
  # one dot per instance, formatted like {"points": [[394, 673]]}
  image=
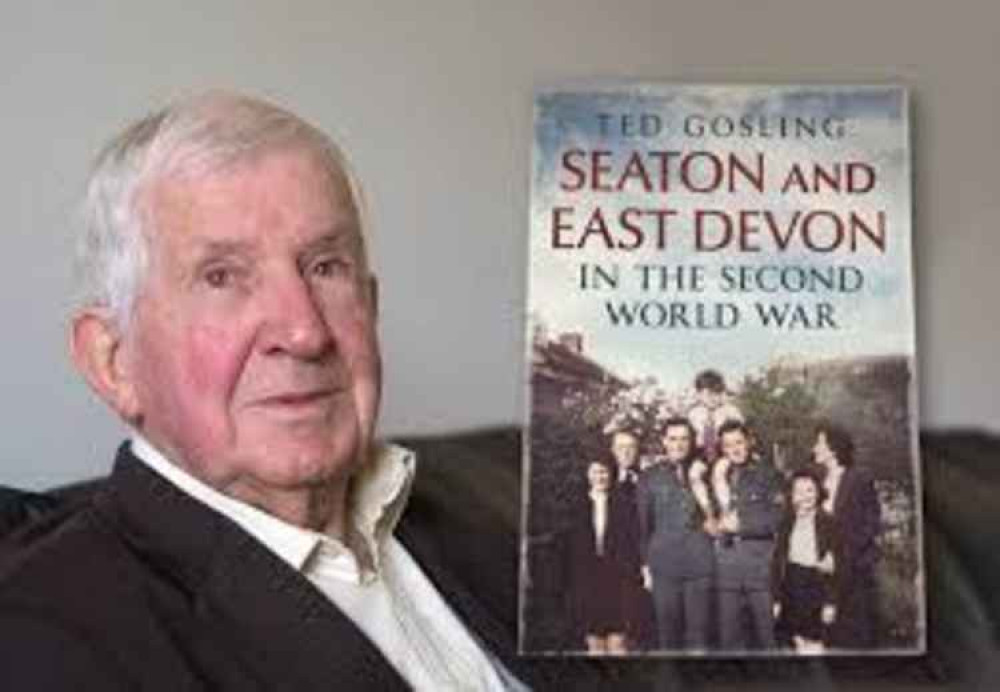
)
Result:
{"points": [[219, 277], [330, 266]]}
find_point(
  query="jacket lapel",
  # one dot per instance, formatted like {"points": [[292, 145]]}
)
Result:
{"points": [[845, 492], [296, 631], [248, 602]]}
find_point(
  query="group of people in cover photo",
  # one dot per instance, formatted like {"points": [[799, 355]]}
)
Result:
{"points": [[690, 540]]}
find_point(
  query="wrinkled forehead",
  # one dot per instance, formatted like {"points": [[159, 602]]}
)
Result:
{"points": [[193, 164], [293, 176]]}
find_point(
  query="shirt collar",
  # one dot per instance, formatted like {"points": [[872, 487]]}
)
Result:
{"points": [[598, 496], [376, 499]]}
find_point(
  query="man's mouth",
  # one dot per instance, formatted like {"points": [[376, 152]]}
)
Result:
{"points": [[298, 398], [299, 402]]}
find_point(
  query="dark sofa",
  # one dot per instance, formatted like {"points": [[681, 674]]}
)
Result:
{"points": [[472, 483]]}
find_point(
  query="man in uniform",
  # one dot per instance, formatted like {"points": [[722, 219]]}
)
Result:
{"points": [[748, 526], [674, 544]]}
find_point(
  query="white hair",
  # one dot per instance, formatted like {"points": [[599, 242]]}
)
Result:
{"points": [[195, 136]]}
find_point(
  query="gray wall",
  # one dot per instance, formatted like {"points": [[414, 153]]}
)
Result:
{"points": [[433, 100]]}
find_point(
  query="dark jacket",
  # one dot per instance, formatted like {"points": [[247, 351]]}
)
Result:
{"points": [[146, 588], [857, 516], [856, 513], [621, 543], [603, 587]]}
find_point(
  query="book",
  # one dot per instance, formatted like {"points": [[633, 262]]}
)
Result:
{"points": [[721, 450]]}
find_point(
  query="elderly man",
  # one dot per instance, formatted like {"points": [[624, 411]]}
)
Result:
{"points": [[245, 538]]}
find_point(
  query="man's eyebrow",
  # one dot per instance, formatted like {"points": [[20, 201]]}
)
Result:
{"points": [[220, 248], [348, 238]]}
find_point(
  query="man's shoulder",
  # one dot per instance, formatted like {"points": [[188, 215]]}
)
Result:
{"points": [[727, 412], [67, 557], [655, 470], [697, 414], [763, 469], [60, 532], [63, 583], [859, 475]]}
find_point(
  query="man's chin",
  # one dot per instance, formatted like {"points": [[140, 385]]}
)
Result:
{"points": [[304, 463]]}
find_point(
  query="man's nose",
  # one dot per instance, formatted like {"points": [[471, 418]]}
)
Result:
{"points": [[294, 321]]}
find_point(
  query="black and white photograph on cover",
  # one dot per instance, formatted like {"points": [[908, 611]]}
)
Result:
{"points": [[721, 450], [800, 537]]}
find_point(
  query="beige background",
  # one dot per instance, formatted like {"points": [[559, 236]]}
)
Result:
{"points": [[433, 100]]}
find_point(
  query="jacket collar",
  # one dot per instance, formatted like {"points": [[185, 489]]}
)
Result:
{"points": [[237, 586]]}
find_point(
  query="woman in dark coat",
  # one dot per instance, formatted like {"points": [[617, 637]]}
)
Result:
{"points": [[804, 576], [853, 504], [603, 564]]}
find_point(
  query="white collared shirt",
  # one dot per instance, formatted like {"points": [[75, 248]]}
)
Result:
{"points": [[802, 542], [600, 518], [384, 592]]}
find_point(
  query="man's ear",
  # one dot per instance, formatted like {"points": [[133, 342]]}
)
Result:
{"points": [[96, 346]]}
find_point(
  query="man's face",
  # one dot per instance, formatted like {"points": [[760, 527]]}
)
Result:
{"points": [[253, 348], [709, 399], [822, 453], [735, 446], [677, 442], [625, 450]]}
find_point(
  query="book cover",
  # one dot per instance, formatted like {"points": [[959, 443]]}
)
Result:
{"points": [[721, 450]]}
